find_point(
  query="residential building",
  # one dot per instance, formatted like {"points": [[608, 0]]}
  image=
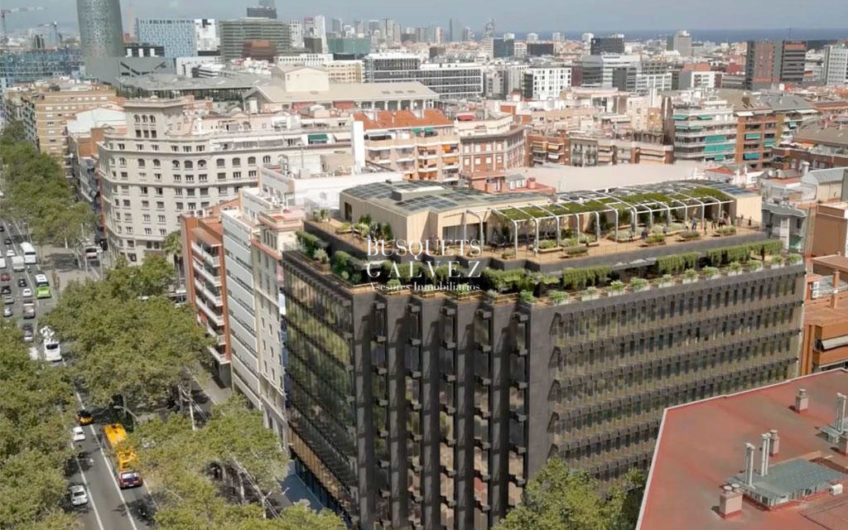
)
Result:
{"points": [[756, 131], [502, 79], [26, 66], [178, 36], [814, 146], [760, 65], [47, 106], [598, 70], [769, 455], [793, 113], [296, 33], [490, 144], [612, 44], [789, 61], [835, 64], [234, 33], [457, 400], [100, 27], [421, 145], [549, 82], [548, 146], [206, 35], [701, 128], [178, 157], [449, 80], [202, 236], [338, 71], [703, 79], [824, 346]]}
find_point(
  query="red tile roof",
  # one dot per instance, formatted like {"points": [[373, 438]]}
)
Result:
{"points": [[402, 119], [701, 445]]}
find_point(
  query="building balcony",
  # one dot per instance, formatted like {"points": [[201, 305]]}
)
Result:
{"points": [[215, 317], [208, 276], [210, 296], [213, 261]]}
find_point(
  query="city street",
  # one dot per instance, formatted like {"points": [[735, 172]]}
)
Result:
{"points": [[109, 507]]}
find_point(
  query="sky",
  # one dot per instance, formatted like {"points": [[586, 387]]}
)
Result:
{"points": [[509, 15]]}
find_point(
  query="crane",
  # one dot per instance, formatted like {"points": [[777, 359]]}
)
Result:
{"points": [[4, 12]]}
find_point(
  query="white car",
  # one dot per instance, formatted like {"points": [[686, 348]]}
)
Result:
{"points": [[52, 350], [26, 292], [78, 495], [78, 433], [10, 253]]}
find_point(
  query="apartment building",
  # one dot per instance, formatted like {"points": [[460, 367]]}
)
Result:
{"points": [[178, 156], [760, 65], [757, 128], [548, 146], [202, 236], [490, 144], [432, 407], [420, 145], [701, 127], [338, 71], [541, 83], [45, 108], [835, 64], [449, 80]]}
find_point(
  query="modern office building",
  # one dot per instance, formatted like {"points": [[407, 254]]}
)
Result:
{"points": [[234, 33], [546, 82], [503, 48], [540, 49], [449, 80], [790, 61], [760, 65], [206, 35], [598, 71], [262, 12], [681, 42], [178, 36], [26, 66], [421, 145], [612, 44], [348, 47], [178, 157], [432, 408], [101, 29], [701, 128], [835, 64]]}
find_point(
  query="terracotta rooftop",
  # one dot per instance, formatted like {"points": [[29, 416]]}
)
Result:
{"points": [[402, 119], [701, 445]]}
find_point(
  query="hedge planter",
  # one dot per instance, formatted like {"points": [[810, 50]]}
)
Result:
{"points": [[549, 250], [576, 251], [590, 294]]}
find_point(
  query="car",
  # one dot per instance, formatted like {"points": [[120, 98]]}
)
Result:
{"points": [[10, 253], [4, 277], [8, 299], [7, 241], [84, 417], [2, 228], [28, 335], [78, 434], [129, 479], [79, 497], [52, 350], [5, 290], [7, 312], [28, 309], [22, 282], [26, 292]]}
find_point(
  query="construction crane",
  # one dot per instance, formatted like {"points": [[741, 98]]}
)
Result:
{"points": [[3, 12]]}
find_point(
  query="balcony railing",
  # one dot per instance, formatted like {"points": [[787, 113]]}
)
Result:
{"points": [[217, 318], [209, 277], [206, 256]]}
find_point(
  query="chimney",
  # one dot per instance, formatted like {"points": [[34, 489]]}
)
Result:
{"points": [[749, 464], [730, 500], [774, 448], [764, 457], [840, 412], [802, 401]]}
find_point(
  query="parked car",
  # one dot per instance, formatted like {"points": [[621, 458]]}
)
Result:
{"points": [[84, 417], [2, 228], [8, 299], [26, 292], [28, 334], [129, 479], [10, 253], [5, 290], [4, 277], [79, 497], [22, 282], [7, 311], [78, 434], [7, 241], [28, 309], [52, 350]]}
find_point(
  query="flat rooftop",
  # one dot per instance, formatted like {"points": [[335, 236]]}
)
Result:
{"points": [[702, 444]]}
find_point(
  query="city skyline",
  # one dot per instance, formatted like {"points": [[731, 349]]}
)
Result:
{"points": [[605, 16]]}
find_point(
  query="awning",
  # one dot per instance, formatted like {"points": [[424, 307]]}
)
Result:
{"points": [[752, 136], [316, 138], [417, 130], [751, 156], [835, 342]]}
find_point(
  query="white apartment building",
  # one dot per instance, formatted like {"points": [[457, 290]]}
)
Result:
{"points": [[546, 82], [703, 126], [835, 65], [179, 156], [206, 34], [659, 82], [697, 79]]}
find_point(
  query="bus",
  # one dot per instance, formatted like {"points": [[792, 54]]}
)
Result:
{"points": [[30, 258], [124, 458], [42, 287]]}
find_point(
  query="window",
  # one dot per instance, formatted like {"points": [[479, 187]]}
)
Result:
{"points": [[159, 191], [266, 159], [178, 192], [190, 192], [143, 189], [192, 206], [251, 160], [122, 162], [188, 164], [160, 205], [178, 178], [236, 162], [148, 231], [163, 232], [175, 164], [127, 217], [156, 162], [179, 206], [200, 148], [236, 174], [187, 149], [145, 204], [146, 218], [222, 176], [157, 177], [220, 162], [161, 219], [140, 162], [189, 178], [201, 177], [201, 164], [251, 173], [222, 190], [204, 204], [175, 148]]}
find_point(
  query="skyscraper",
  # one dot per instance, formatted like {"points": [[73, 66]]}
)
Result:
{"points": [[178, 36], [681, 42], [759, 65], [789, 61], [101, 30]]}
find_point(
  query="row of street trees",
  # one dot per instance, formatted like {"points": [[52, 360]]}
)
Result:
{"points": [[37, 193], [133, 350], [36, 413]]}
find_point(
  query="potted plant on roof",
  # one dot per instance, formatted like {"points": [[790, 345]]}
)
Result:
{"points": [[571, 252], [689, 235], [547, 246], [323, 259], [590, 293], [690, 276], [527, 297], [615, 288], [558, 297], [343, 228], [710, 272], [777, 261], [754, 265], [734, 269], [794, 259], [667, 280], [639, 284], [462, 291]]}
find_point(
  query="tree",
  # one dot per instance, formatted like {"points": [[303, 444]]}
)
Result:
{"points": [[559, 498], [173, 246], [35, 416]]}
